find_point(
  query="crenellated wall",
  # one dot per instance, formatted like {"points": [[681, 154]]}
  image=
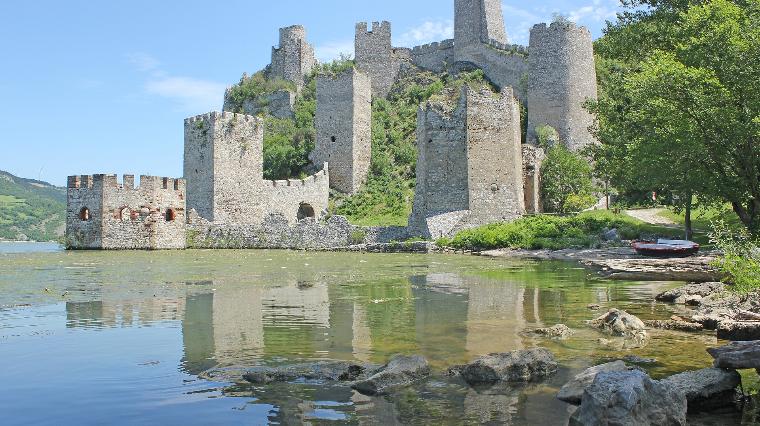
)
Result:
{"points": [[104, 214], [224, 172], [562, 77], [435, 57]]}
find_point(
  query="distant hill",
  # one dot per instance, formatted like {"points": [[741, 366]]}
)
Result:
{"points": [[30, 210]]}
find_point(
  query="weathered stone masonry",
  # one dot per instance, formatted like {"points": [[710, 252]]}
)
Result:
{"points": [[343, 123], [294, 59], [103, 214], [562, 78], [376, 56], [469, 168], [224, 171]]}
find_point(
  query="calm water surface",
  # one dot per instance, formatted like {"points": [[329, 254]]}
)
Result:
{"points": [[121, 337]]}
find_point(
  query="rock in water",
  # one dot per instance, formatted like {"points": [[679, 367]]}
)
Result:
{"points": [[737, 355], [630, 398], [683, 294], [400, 371], [675, 325], [572, 392], [559, 331], [329, 371], [706, 389], [739, 330], [516, 366], [620, 323]]}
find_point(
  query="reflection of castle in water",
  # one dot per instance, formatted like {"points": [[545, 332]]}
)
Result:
{"points": [[441, 316]]}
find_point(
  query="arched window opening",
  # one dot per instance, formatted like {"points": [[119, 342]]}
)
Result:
{"points": [[170, 215], [125, 214], [305, 211], [84, 214], [333, 138]]}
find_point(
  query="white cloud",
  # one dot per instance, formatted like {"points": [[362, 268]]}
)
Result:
{"points": [[427, 32], [191, 94], [143, 61], [598, 11], [333, 50]]}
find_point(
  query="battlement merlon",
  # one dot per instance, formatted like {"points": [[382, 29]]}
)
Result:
{"points": [[105, 181], [214, 116], [383, 28], [559, 27]]}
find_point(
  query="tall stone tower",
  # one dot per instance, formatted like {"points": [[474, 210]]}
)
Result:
{"points": [[478, 21], [469, 169], [344, 128], [561, 77], [224, 166], [376, 56], [294, 59]]}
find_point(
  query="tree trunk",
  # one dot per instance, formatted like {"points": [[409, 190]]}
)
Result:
{"points": [[687, 219]]}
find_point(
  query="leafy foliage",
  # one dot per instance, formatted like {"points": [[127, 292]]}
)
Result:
{"points": [[551, 232], [566, 184], [30, 209], [741, 257], [387, 197], [680, 101]]}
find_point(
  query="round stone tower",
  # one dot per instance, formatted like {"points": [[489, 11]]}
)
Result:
{"points": [[561, 78]]}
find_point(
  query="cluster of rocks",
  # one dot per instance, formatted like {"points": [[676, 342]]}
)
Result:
{"points": [[615, 393], [735, 317]]}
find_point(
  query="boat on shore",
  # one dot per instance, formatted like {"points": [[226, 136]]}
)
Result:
{"points": [[666, 248]]}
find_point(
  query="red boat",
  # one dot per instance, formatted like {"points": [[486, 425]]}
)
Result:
{"points": [[666, 248]]}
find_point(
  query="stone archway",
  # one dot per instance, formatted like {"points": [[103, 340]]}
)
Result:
{"points": [[305, 211]]}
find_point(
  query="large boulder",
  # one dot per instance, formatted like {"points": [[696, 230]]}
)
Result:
{"points": [[688, 292], [739, 330], [326, 370], [400, 371], [630, 398], [620, 323], [737, 355], [572, 391], [517, 366], [706, 389]]}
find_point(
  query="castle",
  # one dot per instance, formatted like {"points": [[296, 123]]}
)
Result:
{"points": [[472, 167]]}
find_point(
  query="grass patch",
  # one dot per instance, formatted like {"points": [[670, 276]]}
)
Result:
{"points": [[10, 200], [703, 217], [555, 232]]}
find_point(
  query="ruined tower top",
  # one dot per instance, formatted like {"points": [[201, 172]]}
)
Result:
{"points": [[294, 59], [478, 21]]}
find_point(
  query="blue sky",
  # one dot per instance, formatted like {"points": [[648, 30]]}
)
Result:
{"points": [[103, 87]]}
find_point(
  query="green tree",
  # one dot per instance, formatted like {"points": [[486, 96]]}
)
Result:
{"points": [[686, 118], [566, 183]]}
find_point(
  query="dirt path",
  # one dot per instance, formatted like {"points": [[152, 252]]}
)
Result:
{"points": [[652, 216]]}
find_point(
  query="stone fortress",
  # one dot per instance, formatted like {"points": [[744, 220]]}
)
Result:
{"points": [[472, 167]]}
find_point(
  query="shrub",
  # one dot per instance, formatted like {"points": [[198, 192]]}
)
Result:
{"points": [[741, 257], [566, 181]]}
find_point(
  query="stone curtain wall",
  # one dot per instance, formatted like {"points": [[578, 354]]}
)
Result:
{"points": [[287, 197], [494, 155], [125, 217], [343, 123], [562, 76], [503, 68], [224, 166], [294, 59], [434, 57]]}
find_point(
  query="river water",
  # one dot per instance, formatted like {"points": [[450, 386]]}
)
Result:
{"points": [[122, 337]]}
